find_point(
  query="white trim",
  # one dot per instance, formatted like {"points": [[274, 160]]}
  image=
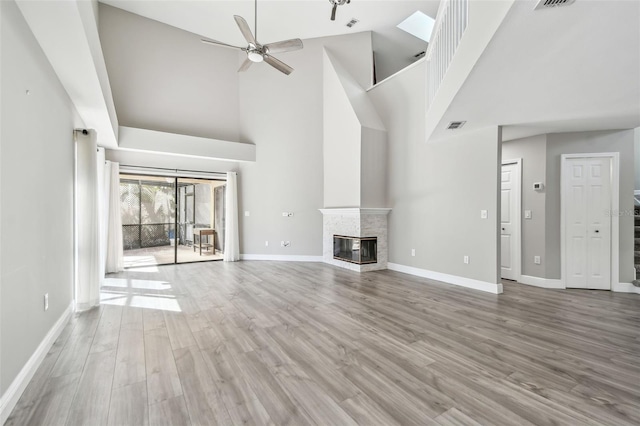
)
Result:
{"points": [[281, 257], [541, 282], [615, 220], [518, 220], [446, 278], [625, 288], [355, 211], [13, 393]]}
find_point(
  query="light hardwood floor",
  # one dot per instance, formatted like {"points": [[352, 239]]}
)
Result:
{"points": [[304, 343]]}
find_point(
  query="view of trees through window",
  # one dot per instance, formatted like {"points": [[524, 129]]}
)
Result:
{"points": [[148, 213]]}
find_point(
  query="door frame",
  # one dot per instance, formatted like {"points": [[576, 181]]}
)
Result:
{"points": [[615, 219], [518, 219]]}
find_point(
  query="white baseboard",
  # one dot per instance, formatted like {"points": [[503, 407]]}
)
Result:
{"points": [[625, 288], [446, 278], [541, 282], [10, 398], [281, 257]]}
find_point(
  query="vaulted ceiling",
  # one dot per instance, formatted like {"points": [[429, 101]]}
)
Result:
{"points": [[277, 20]]}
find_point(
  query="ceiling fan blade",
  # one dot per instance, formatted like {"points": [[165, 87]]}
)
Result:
{"points": [[284, 46], [244, 28], [245, 65], [217, 43], [278, 64], [333, 11]]}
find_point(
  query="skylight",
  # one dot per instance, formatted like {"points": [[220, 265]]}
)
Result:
{"points": [[418, 25]]}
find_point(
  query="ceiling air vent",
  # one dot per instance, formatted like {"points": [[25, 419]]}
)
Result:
{"points": [[352, 22], [454, 125], [545, 4]]}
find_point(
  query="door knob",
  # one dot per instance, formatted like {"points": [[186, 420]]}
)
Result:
{"points": [[503, 229], [597, 231]]}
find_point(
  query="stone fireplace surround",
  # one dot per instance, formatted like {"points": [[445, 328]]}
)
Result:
{"points": [[355, 222]]}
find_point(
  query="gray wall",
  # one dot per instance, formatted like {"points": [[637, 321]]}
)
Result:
{"points": [[590, 142], [342, 134], [36, 195], [533, 152], [283, 116], [437, 189], [373, 168], [394, 49], [636, 156], [165, 79]]}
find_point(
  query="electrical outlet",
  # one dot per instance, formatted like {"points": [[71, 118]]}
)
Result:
{"points": [[413, 252], [266, 243], [536, 260], [46, 301], [247, 213], [285, 243], [527, 214], [466, 260], [484, 214]]}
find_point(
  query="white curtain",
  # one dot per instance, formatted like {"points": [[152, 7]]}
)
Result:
{"points": [[231, 239], [103, 209], [114, 252], [87, 286]]}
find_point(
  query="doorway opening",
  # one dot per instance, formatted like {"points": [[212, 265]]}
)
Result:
{"points": [[168, 220]]}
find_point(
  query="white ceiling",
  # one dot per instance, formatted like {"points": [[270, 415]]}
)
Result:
{"points": [[277, 20], [573, 68]]}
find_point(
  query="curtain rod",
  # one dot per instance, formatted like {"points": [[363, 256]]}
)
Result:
{"points": [[160, 171]]}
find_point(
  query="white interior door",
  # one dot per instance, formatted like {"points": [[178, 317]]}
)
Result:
{"points": [[509, 214], [587, 202]]}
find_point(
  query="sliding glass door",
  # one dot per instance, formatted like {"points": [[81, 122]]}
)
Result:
{"points": [[169, 220], [199, 232]]}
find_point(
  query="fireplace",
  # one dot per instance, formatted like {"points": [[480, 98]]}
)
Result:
{"points": [[358, 250], [355, 224]]}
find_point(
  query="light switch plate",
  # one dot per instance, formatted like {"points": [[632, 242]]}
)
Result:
{"points": [[413, 252], [246, 213], [466, 260], [527, 214], [484, 214], [536, 260]]}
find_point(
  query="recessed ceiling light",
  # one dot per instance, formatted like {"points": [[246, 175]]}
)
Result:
{"points": [[454, 125], [418, 25]]}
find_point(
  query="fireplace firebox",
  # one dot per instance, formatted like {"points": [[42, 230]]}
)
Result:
{"points": [[358, 250]]}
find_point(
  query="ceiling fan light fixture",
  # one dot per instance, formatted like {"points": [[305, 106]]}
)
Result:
{"points": [[257, 52], [255, 56]]}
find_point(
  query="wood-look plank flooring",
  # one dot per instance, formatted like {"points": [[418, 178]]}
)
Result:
{"points": [[308, 343]]}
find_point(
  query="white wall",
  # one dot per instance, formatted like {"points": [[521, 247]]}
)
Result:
{"points": [[533, 152], [167, 161], [165, 79], [283, 116], [36, 195], [436, 190]]}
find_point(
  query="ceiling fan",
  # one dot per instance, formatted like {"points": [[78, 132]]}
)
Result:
{"points": [[257, 52], [335, 4]]}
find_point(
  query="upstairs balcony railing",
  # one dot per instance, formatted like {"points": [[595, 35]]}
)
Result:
{"points": [[451, 22]]}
